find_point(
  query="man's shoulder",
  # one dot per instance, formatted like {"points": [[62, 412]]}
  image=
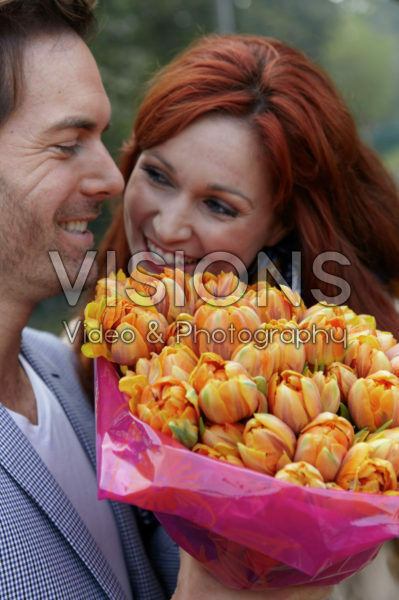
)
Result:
{"points": [[47, 352], [43, 342]]}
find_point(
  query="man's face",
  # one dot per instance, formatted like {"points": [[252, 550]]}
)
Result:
{"points": [[54, 170]]}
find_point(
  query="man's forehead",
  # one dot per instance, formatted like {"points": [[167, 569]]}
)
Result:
{"points": [[63, 86]]}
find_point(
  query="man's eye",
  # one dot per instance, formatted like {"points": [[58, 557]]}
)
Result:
{"points": [[220, 208], [156, 175], [69, 150]]}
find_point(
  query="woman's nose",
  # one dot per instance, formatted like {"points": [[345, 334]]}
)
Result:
{"points": [[172, 224]]}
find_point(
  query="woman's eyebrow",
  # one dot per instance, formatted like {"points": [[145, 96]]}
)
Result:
{"points": [[225, 188], [160, 158]]}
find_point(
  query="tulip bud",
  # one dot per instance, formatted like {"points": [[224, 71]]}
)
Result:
{"points": [[287, 336], [113, 287], [226, 393], [393, 356], [294, 399], [301, 473], [169, 406], [258, 361], [386, 340], [325, 342], [170, 292], [365, 356], [268, 444], [223, 438], [205, 450], [139, 333], [223, 289], [345, 377], [386, 448], [374, 400], [221, 329], [176, 361], [330, 394], [324, 443], [361, 473], [272, 304]]}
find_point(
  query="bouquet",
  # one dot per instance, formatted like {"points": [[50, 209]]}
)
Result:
{"points": [[264, 435]]}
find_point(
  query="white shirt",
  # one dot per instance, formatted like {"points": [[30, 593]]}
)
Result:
{"points": [[58, 446]]}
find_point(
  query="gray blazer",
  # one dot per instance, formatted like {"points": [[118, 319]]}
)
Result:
{"points": [[46, 550]]}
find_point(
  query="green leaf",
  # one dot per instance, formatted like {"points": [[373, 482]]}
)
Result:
{"points": [[261, 384], [361, 435], [384, 426], [186, 436], [344, 412], [201, 427]]}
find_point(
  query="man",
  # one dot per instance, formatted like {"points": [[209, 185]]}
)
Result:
{"points": [[56, 539]]}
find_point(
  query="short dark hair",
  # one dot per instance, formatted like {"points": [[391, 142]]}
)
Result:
{"points": [[20, 21]]}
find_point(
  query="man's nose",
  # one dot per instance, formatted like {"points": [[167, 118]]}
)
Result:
{"points": [[172, 223], [104, 178]]}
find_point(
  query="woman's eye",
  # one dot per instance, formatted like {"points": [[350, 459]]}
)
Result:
{"points": [[68, 150], [220, 208], [156, 175]]}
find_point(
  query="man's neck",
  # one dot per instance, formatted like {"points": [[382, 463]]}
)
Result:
{"points": [[16, 391]]}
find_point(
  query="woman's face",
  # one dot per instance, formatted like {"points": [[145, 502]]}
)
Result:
{"points": [[204, 190]]}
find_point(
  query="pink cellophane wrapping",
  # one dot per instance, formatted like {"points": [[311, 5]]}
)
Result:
{"points": [[250, 530]]}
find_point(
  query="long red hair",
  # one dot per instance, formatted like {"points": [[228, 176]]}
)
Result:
{"points": [[326, 184]]}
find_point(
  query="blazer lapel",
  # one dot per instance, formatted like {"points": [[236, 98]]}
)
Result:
{"points": [[67, 389], [23, 463]]}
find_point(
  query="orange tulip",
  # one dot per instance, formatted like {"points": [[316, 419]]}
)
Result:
{"points": [[223, 289], [139, 333], [221, 329], [345, 377], [374, 400], [392, 433], [226, 392], [319, 313], [393, 356], [268, 444], [121, 331], [113, 286], [169, 405], [365, 356], [223, 438], [205, 450], [324, 443], [330, 394], [386, 448], [294, 399], [287, 335], [176, 361], [362, 473], [258, 361], [325, 342], [272, 303], [170, 292], [301, 473], [386, 340], [331, 485]]}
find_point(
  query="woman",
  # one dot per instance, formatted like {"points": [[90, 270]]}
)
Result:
{"points": [[242, 145], [323, 191]]}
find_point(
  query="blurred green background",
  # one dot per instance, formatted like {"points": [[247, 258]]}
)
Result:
{"points": [[356, 41]]}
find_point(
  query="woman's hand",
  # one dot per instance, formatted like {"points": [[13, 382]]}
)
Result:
{"points": [[196, 583]]}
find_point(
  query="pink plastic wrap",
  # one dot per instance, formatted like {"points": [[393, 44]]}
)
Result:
{"points": [[250, 530]]}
